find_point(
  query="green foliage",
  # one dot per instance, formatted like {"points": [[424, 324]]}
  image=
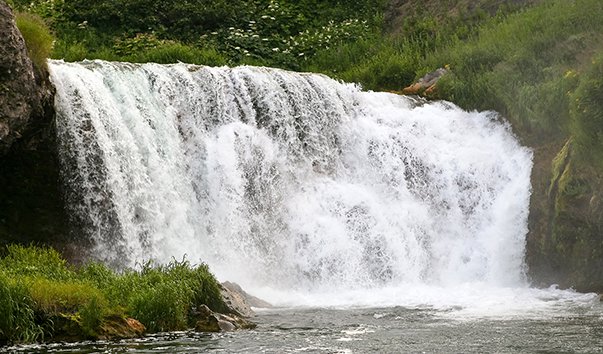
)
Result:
{"points": [[24, 261], [587, 114], [40, 294], [162, 296], [518, 64], [269, 32], [175, 52], [38, 38], [55, 297], [161, 307], [17, 317]]}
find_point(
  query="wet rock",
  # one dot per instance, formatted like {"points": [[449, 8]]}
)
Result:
{"points": [[239, 301], [563, 245], [426, 85], [209, 321], [69, 327], [117, 327]]}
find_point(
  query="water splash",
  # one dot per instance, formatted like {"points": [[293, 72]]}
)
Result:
{"points": [[282, 180]]}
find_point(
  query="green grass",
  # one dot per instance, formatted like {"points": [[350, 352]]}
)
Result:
{"points": [[524, 63], [42, 296], [38, 38], [519, 66], [587, 114]]}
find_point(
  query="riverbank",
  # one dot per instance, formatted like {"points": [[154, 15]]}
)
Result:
{"points": [[45, 299]]}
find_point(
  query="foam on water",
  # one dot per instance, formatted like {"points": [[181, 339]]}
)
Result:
{"points": [[302, 189]]}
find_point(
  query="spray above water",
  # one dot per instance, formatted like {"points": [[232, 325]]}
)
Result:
{"points": [[290, 182]]}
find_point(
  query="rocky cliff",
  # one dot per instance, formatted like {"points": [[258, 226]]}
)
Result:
{"points": [[565, 244], [20, 94], [31, 207]]}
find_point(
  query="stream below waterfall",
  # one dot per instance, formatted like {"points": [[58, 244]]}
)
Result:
{"points": [[571, 329]]}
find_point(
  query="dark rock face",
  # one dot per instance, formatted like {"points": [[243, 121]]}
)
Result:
{"points": [[565, 242], [31, 202], [20, 96]]}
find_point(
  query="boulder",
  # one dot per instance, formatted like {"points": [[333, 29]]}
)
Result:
{"points": [[118, 327], [426, 85], [209, 321], [239, 301]]}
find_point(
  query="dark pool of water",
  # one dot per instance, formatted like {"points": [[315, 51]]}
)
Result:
{"points": [[389, 330]]}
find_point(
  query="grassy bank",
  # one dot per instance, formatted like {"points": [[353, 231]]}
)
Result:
{"points": [[525, 63], [44, 298], [280, 33]]}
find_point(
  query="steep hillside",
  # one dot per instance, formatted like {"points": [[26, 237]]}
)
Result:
{"points": [[541, 68]]}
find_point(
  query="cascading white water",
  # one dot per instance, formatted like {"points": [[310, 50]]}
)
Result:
{"points": [[290, 181]]}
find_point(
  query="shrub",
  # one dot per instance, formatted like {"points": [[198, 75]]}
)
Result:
{"points": [[38, 38]]}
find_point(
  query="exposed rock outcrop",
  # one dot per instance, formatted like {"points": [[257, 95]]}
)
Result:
{"points": [[239, 301], [20, 94], [239, 305], [31, 203], [565, 241], [426, 86], [118, 327]]}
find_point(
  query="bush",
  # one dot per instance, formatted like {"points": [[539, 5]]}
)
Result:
{"points": [[38, 39]]}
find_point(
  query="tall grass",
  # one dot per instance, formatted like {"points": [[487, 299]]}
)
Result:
{"points": [[519, 65], [42, 296], [587, 114], [38, 38]]}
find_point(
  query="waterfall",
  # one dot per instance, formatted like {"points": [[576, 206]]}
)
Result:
{"points": [[289, 180]]}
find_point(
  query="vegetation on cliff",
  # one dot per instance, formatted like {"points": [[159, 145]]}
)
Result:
{"points": [[44, 298], [38, 38]]}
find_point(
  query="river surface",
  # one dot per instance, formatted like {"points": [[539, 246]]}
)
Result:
{"points": [[573, 329]]}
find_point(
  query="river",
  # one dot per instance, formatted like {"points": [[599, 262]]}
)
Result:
{"points": [[575, 328]]}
